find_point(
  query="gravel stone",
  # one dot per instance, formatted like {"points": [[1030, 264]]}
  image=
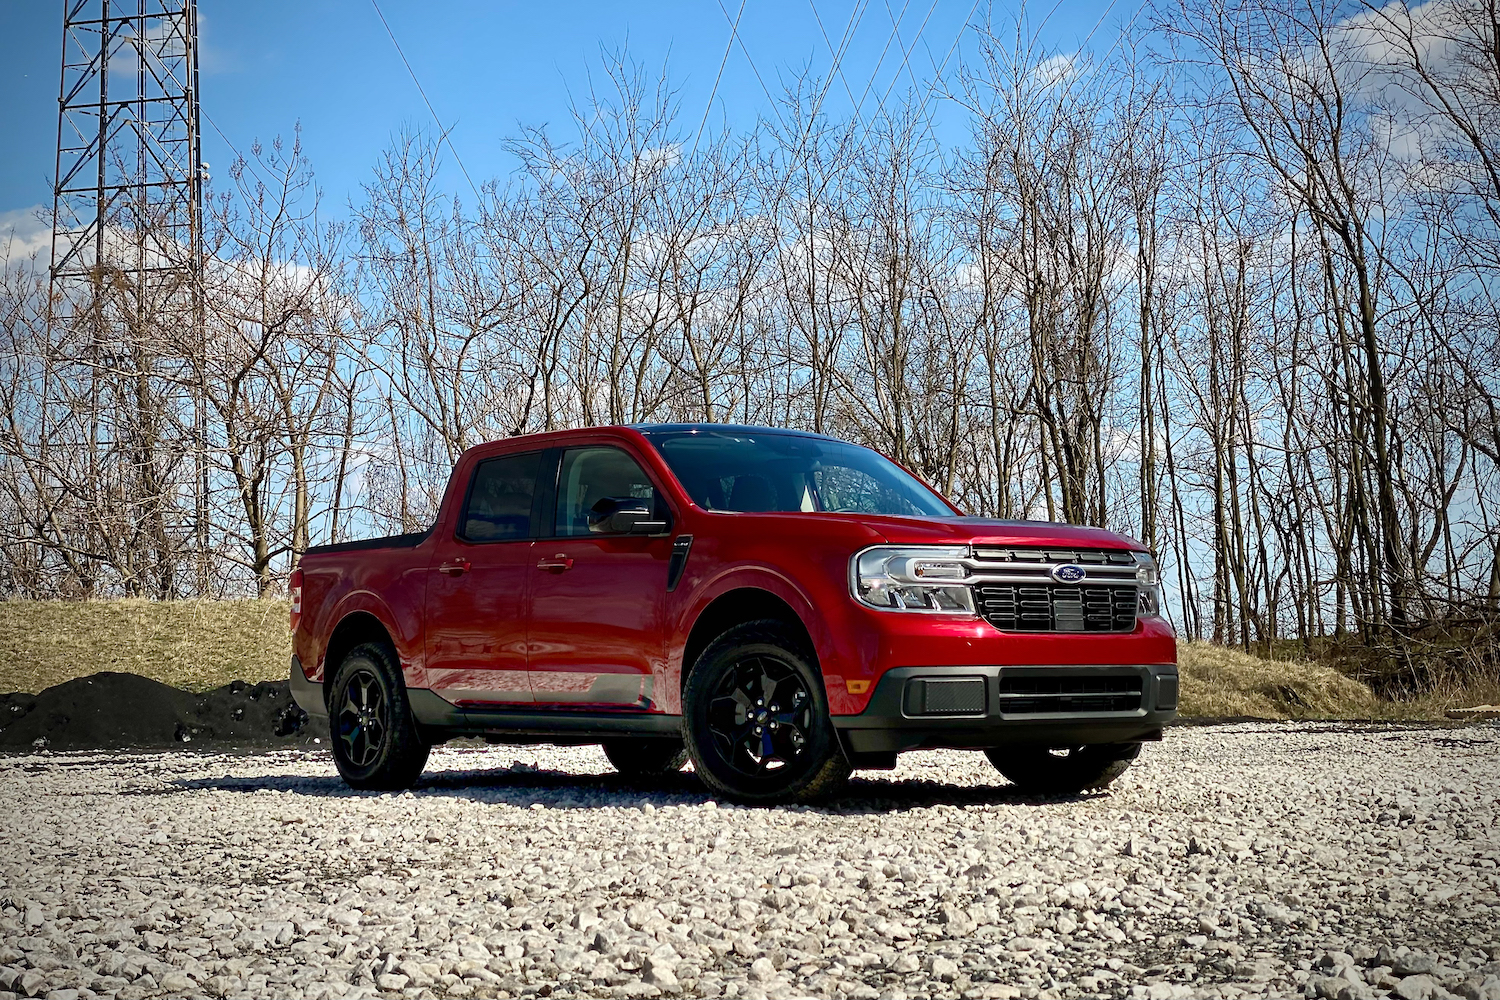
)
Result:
{"points": [[1480, 989], [1417, 988], [1213, 868], [944, 969], [762, 969], [1414, 964]]}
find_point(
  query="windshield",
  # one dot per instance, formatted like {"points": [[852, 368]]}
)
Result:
{"points": [[765, 471]]}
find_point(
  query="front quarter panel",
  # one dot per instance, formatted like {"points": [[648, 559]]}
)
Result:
{"points": [[800, 559]]}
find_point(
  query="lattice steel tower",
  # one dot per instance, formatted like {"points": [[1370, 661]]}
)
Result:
{"points": [[127, 257], [128, 200]]}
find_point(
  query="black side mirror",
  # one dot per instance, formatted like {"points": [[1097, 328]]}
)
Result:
{"points": [[623, 516]]}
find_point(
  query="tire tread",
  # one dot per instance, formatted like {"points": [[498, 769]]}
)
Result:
{"points": [[1089, 768]]}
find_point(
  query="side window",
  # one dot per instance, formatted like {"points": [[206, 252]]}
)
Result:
{"points": [[499, 504], [588, 475]]}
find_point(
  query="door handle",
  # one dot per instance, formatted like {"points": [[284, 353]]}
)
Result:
{"points": [[557, 563], [455, 567]]}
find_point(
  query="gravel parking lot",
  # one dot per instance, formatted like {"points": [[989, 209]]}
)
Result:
{"points": [[1279, 860]]}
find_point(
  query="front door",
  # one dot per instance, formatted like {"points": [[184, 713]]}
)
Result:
{"points": [[476, 598], [597, 600]]}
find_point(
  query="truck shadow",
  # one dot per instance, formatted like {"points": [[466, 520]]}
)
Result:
{"points": [[564, 790]]}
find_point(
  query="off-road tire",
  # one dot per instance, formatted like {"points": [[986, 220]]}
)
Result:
{"points": [[1067, 771], [369, 694], [646, 756], [817, 767]]}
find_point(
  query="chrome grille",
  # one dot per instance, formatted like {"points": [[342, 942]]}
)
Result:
{"points": [[1106, 559], [1015, 592]]}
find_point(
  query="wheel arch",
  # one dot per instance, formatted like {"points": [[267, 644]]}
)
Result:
{"points": [[738, 607], [354, 629]]}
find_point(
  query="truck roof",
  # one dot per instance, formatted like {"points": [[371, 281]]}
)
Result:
{"points": [[701, 427]]}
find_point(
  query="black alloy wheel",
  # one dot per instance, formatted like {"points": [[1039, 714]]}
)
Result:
{"points": [[759, 715], [376, 744], [364, 716], [756, 722]]}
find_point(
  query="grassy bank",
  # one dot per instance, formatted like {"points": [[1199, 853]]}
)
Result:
{"points": [[195, 645], [200, 645]]}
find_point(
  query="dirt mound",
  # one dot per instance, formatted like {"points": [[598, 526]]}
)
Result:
{"points": [[108, 711]]}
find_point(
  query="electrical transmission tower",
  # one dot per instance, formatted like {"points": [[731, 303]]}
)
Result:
{"points": [[127, 271], [128, 202]]}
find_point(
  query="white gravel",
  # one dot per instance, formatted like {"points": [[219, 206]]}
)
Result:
{"points": [[1319, 861]]}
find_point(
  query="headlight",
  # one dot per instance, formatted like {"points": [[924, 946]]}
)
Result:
{"points": [[1148, 582], [912, 578]]}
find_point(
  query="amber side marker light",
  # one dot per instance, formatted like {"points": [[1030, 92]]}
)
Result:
{"points": [[857, 687]]}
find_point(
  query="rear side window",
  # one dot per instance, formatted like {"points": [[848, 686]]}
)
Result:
{"points": [[499, 504], [588, 475]]}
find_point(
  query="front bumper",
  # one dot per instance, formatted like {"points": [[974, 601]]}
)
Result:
{"points": [[916, 708], [307, 694]]}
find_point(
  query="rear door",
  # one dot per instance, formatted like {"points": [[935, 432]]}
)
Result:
{"points": [[596, 635], [476, 596]]}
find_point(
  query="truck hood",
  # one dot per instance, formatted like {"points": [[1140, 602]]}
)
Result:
{"points": [[988, 531]]}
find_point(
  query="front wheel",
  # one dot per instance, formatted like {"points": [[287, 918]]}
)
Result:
{"points": [[375, 742], [1066, 771], [646, 756], [756, 722]]}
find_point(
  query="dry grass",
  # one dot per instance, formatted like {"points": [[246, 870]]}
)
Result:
{"points": [[195, 645], [200, 645], [1222, 683], [1219, 682]]}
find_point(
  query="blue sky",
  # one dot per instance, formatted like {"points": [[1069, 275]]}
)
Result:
{"points": [[487, 68]]}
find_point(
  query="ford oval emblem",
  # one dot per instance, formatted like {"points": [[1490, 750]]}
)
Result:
{"points": [[1069, 573]]}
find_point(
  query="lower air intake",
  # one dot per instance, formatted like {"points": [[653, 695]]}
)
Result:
{"points": [[1070, 693], [944, 696]]}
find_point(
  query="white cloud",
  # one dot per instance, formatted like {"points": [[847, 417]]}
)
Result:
{"points": [[660, 157], [1055, 70], [23, 234]]}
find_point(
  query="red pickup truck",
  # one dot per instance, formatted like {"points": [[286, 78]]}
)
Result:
{"points": [[780, 607]]}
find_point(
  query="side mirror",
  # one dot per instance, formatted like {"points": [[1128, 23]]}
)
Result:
{"points": [[623, 516]]}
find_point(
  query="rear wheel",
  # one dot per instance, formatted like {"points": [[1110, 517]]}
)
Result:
{"points": [[646, 756], [375, 742], [756, 719], [1065, 771]]}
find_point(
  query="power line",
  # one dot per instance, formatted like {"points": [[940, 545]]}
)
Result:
{"points": [[895, 23], [938, 72], [249, 164], [734, 30], [906, 50], [855, 17], [443, 133], [906, 55], [736, 38]]}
